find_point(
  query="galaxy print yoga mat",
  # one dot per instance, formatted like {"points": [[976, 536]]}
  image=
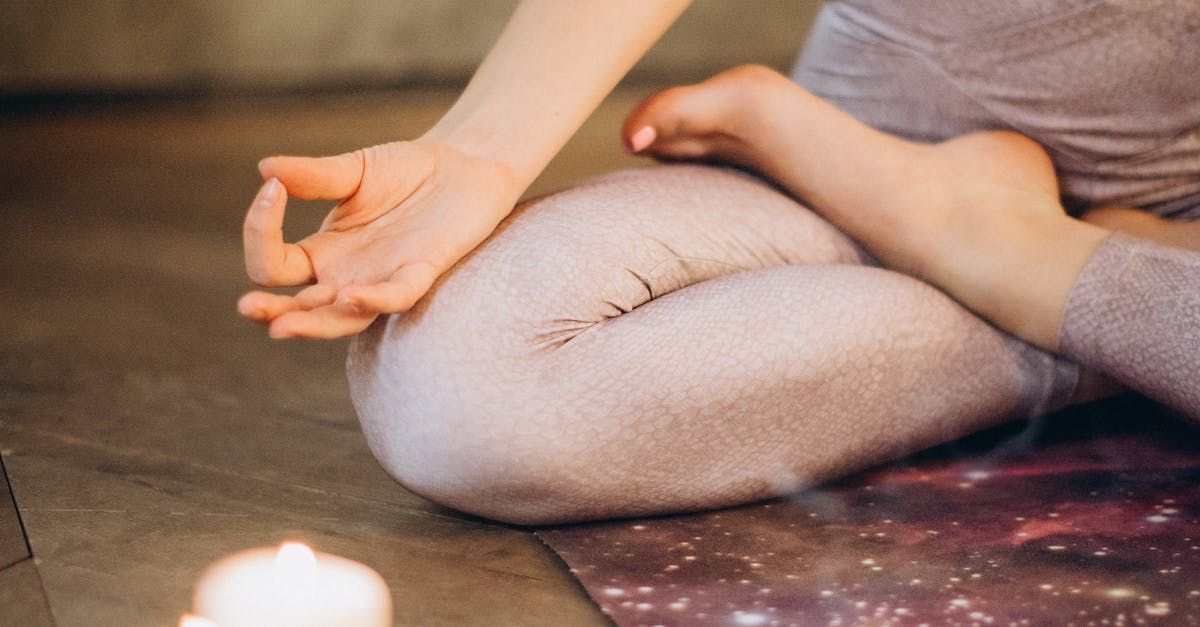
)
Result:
{"points": [[1088, 518]]}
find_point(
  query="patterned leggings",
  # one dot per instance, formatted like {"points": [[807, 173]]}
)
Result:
{"points": [[675, 338], [684, 337]]}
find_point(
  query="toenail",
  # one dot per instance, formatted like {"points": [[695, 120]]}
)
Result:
{"points": [[644, 137]]}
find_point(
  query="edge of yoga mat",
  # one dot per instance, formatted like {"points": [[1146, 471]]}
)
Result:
{"points": [[1048, 523]]}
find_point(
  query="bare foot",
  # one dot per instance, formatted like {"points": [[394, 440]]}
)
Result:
{"points": [[977, 216]]}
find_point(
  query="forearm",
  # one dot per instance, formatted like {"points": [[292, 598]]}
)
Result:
{"points": [[553, 64]]}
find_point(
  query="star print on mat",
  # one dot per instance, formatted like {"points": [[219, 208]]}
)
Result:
{"points": [[1096, 519]]}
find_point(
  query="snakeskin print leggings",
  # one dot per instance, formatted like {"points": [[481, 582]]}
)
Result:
{"points": [[674, 338], [1134, 314], [685, 337]]}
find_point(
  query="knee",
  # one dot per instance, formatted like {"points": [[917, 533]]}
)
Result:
{"points": [[466, 436], [455, 397], [452, 395]]}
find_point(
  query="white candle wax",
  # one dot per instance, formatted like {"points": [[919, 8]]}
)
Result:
{"points": [[291, 586]]}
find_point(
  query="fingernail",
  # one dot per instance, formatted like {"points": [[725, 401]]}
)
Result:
{"points": [[269, 191], [644, 137]]}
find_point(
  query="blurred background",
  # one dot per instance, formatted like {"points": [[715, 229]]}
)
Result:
{"points": [[73, 47], [146, 429]]}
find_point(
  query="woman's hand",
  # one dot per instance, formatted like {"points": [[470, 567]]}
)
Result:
{"points": [[406, 213]]}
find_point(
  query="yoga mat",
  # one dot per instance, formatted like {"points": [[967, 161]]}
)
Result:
{"points": [[1081, 518]]}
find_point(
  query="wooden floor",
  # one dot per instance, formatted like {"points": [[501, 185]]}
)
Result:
{"points": [[147, 430]]}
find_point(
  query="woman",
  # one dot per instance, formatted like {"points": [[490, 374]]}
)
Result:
{"points": [[685, 337]]}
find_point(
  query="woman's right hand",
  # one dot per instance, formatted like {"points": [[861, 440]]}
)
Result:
{"points": [[406, 213]]}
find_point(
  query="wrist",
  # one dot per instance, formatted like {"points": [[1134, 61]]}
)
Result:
{"points": [[520, 161], [487, 173]]}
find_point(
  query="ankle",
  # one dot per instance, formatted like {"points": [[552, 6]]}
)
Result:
{"points": [[1018, 270], [1146, 225]]}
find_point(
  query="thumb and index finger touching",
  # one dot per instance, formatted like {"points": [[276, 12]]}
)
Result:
{"points": [[272, 262], [269, 260]]}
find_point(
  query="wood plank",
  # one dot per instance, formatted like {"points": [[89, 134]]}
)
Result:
{"points": [[13, 547], [22, 601], [149, 430]]}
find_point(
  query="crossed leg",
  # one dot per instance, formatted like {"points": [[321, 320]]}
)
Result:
{"points": [[976, 215], [669, 339]]}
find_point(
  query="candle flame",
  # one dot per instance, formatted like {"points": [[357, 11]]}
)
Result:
{"points": [[191, 620], [295, 570], [295, 555]]}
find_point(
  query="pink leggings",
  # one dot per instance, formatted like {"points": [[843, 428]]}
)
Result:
{"points": [[675, 338], [1134, 314]]}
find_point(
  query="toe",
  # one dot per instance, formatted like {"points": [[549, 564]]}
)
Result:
{"points": [[705, 119], [674, 123]]}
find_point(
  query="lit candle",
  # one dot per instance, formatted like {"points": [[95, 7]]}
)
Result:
{"points": [[291, 586]]}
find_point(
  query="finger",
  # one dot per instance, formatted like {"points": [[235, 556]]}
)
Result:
{"points": [[397, 294], [323, 323], [264, 306], [330, 178], [270, 261]]}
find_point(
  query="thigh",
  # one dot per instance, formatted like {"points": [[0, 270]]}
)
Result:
{"points": [[567, 262], [570, 260], [669, 339], [764, 382], [611, 244]]}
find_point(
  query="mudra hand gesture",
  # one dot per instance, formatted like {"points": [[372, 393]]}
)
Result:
{"points": [[406, 212]]}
